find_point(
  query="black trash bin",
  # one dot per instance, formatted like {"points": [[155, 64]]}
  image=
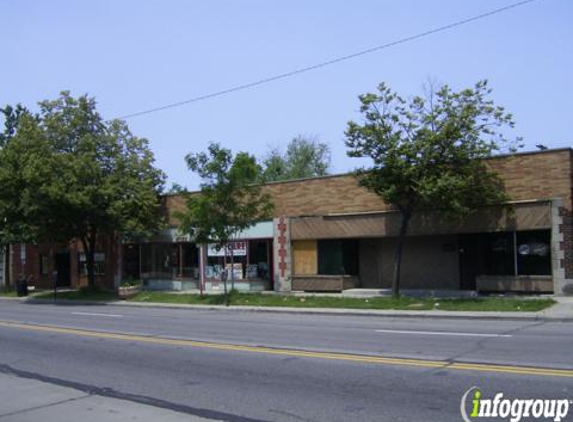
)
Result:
{"points": [[22, 288]]}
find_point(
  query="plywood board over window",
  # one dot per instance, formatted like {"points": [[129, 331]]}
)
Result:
{"points": [[304, 257]]}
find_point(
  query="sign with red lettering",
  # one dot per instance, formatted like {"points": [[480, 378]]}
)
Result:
{"points": [[239, 249]]}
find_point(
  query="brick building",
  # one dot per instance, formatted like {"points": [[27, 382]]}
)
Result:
{"points": [[63, 263], [329, 234]]}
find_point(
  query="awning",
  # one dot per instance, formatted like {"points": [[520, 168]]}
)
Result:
{"points": [[523, 216]]}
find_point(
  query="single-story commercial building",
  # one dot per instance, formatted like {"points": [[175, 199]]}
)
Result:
{"points": [[329, 234]]}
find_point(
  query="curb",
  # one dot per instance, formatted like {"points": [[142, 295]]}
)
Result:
{"points": [[506, 316]]}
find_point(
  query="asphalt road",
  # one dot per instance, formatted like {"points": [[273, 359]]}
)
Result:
{"points": [[360, 368]]}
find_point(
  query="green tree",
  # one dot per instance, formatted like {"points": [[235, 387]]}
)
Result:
{"points": [[304, 157], [427, 153], [231, 199], [176, 189], [68, 174]]}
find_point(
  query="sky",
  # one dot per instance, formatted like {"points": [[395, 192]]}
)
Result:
{"points": [[134, 55]]}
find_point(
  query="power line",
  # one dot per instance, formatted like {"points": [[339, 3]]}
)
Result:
{"points": [[327, 63]]}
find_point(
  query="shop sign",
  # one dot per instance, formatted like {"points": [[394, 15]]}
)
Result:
{"points": [[239, 249]]}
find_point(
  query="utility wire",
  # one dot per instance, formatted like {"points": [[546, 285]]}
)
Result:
{"points": [[327, 63]]}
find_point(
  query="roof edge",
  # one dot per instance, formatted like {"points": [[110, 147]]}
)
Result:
{"points": [[350, 173]]}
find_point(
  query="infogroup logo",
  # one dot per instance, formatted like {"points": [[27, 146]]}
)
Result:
{"points": [[474, 407]]}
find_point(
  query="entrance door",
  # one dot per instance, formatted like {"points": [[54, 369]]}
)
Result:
{"points": [[468, 246], [63, 269]]}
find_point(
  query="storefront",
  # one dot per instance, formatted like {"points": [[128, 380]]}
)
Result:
{"points": [[514, 248], [163, 265], [248, 263], [171, 261]]}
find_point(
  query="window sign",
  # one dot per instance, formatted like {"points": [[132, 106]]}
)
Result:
{"points": [[237, 269], [99, 263], [239, 249], [98, 257], [44, 265], [534, 252], [534, 248]]}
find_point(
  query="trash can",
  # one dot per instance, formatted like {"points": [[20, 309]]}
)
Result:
{"points": [[22, 288]]}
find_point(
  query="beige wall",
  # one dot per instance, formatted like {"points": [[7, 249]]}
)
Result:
{"points": [[425, 263], [536, 175]]}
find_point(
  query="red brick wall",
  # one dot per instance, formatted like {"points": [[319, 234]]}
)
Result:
{"points": [[106, 244]]}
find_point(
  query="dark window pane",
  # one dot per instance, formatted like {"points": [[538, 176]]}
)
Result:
{"points": [[534, 252], [338, 257], [500, 257], [259, 259]]}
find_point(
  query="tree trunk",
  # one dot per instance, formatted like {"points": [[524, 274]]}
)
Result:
{"points": [[89, 244], [398, 252], [225, 276], [232, 268]]}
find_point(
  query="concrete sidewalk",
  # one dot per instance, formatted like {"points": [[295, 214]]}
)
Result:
{"points": [[25, 399], [562, 311]]}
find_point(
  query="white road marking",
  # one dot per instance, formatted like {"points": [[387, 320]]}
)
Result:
{"points": [[103, 315], [443, 333]]}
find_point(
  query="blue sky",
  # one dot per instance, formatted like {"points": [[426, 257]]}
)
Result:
{"points": [[135, 55]]}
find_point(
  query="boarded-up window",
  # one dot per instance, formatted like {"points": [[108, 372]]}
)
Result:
{"points": [[304, 257]]}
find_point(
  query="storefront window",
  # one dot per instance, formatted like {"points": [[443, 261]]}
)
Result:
{"points": [[251, 260], [533, 252], [508, 253], [170, 260], [259, 259], [337, 257], [499, 254], [189, 260], [99, 263]]}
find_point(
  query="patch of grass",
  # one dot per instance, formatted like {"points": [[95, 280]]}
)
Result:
{"points": [[189, 299], [498, 304], [404, 303], [8, 291], [81, 294], [488, 304]]}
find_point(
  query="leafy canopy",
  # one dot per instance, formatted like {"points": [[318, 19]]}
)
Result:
{"points": [[231, 198], [427, 152], [304, 157], [66, 173]]}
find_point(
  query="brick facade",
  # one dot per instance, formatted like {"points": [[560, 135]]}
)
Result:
{"points": [[28, 263]]}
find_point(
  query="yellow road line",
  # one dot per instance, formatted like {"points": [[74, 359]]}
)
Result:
{"points": [[518, 370]]}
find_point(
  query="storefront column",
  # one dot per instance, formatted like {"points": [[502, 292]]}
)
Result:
{"points": [[561, 285], [282, 254]]}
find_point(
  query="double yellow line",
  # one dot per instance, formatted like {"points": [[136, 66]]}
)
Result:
{"points": [[479, 367]]}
